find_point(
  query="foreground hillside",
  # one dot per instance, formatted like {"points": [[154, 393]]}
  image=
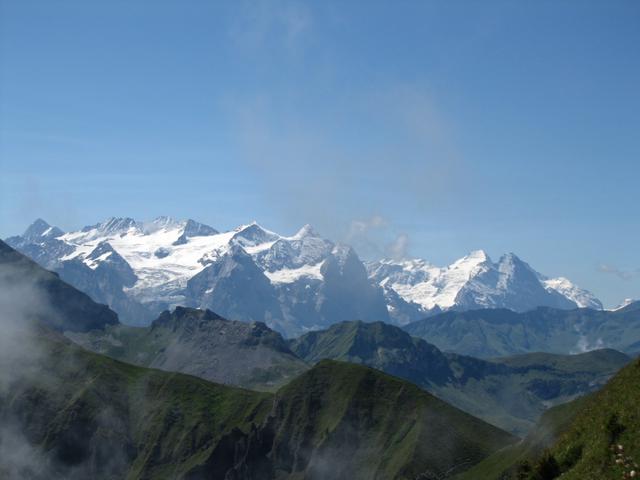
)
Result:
{"points": [[500, 332], [509, 392], [83, 415], [594, 438]]}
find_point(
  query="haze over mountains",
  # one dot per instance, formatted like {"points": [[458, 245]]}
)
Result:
{"points": [[293, 283]]}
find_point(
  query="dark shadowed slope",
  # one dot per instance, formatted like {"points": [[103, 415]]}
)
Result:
{"points": [[76, 312]]}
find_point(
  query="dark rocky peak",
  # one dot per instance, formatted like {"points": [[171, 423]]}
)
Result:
{"points": [[107, 261], [343, 261], [182, 316], [101, 249], [253, 234], [194, 229], [39, 229], [114, 225], [67, 309]]}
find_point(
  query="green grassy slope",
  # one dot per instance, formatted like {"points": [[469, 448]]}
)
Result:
{"points": [[95, 417], [578, 440], [345, 421], [91, 416], [504, 464], [509, 392], [609, 417]]}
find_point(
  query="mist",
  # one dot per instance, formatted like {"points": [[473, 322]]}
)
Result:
{"points": [[21, 303], [338, 178]]}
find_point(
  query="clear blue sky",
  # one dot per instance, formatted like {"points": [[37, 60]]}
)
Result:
{"points": [[507, 126]]}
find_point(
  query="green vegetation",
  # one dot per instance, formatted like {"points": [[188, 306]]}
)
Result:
{"points": [[595, 438], [361, 423], [509, 392], [92, 415], [95, 417]]}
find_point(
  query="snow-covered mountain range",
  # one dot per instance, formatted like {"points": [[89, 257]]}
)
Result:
{"points": [[293, 283]]}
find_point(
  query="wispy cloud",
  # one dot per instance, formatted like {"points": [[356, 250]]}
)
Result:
{"points": [[623, 274], [263, 23], [399, 248], [339, 175]]}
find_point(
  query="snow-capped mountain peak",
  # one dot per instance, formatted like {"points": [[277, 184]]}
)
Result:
{"points": [[40, 230], [149, 266], [475, 281], [625, 303], [306, 231], [581, 297], [253, 235]]}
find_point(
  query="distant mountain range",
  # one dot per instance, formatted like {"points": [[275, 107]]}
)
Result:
{"points": [[497, 332], [292, 283], [510, 392]]}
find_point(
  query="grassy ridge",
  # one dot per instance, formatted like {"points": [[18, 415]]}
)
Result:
{"points": [[510, 392], [92, 416], [361, 423], [578, 440]]}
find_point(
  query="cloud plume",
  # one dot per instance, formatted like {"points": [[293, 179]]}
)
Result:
{"points": [[618, 272]]}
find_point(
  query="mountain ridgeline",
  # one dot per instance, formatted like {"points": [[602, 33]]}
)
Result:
{"points": [[201, 343], [292, 283], [492, 333], [22, 277], [509, 392]]}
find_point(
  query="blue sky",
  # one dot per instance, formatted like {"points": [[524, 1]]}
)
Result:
{"points": [[425, 128]]}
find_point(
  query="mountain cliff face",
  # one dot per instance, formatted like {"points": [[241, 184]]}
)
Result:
{"points": [[293, 283]]}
